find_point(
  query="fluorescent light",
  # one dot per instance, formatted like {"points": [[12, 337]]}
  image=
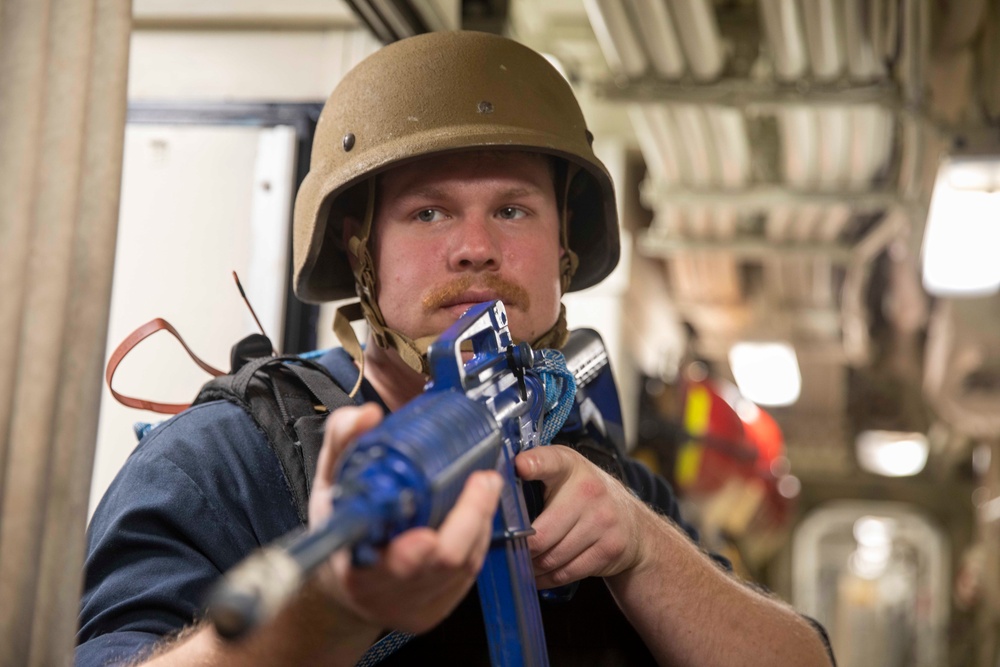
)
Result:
{"points": [[873, 531], [892, 453], [766, 373], [963, 229], [874, 536], [974, 174]]}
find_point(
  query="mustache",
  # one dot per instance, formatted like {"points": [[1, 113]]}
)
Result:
{"points": [[507, 291]]}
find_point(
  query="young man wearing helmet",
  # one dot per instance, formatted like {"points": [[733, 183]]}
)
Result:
{"points": [[447, 169]]}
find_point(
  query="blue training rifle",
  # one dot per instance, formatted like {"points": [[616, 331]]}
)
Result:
{"points": [[487, 401]]}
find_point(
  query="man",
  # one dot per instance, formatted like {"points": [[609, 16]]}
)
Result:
{"points": [[448, 169]]}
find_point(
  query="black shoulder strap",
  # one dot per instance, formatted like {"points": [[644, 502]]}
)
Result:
{"points": [[289, 399]]}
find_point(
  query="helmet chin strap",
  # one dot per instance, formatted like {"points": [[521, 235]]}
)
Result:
{"points": [[414, 352]]}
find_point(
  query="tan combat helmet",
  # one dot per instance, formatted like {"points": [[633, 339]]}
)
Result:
{"points": [[437, 93]]}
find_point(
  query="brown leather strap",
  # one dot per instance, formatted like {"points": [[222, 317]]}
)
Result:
{"points": [[133, 339]]}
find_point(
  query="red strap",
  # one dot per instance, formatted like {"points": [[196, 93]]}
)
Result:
{"points": [[133, 339]]}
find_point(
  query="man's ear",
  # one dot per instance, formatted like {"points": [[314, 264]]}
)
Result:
{"points": [[349, 230]]}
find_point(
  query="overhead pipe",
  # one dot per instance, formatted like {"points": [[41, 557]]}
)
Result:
{"points": [[728, 127], [745, 93], [389, 20], [854, 312], [694, 134], [699, 33], [835, 221], [863, 64], [649, 144], [652, 126], [779, 219], [807, 221], [914, 52], [657, 245], [659, 36], [871, 145], [763, 198], [617, 38], [877, 19], [834, 146], [777, 223], [676, 156], [799, 146], [824, 38], [783, 30]]}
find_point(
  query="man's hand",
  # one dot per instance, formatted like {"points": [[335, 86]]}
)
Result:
{"points": [[422, 574], [590, 524], [676, 598]]}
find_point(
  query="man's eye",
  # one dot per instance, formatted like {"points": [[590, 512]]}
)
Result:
{"points": [[428, 215], [510, 213]]}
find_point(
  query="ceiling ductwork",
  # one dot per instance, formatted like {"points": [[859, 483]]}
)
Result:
{"points": [[392, 20], [790, 149], [774, 192]]}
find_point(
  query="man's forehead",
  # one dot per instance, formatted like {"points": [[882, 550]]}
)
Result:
{"points": [[531, 168]]}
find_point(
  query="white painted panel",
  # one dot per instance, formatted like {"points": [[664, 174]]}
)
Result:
{"points": [[237, 65], [194, 208], [191, 10], [274, 178]]}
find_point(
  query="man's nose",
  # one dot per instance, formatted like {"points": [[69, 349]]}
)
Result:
{"points": [[477, 245]]}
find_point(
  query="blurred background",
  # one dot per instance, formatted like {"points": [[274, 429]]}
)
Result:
{"points": [[805, 323]]}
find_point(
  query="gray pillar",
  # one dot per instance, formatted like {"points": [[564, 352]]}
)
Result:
{"points": [[63, 72]]}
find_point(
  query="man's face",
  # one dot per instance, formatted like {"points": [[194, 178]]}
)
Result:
{"points": [[453, 231]]}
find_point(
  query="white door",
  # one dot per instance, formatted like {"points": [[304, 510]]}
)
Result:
{"points": [[197, 203]]}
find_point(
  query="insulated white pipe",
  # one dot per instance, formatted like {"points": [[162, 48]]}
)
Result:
{"points": [[785, 38], [824, 38], [834, 223], [618, 40], [863, 64], [732, 145], [799, 146], [659, 35], [652, 124], [871, 144], [699, 33], [694, 134], [834, 166]]}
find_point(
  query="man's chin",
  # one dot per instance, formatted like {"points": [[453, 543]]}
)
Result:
{"points": [[446, 316]]}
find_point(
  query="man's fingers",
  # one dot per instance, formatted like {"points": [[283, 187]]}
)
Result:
{"points": [[561, 555], [407, 554], [550, 465], [467, 528], [342, 427]]}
